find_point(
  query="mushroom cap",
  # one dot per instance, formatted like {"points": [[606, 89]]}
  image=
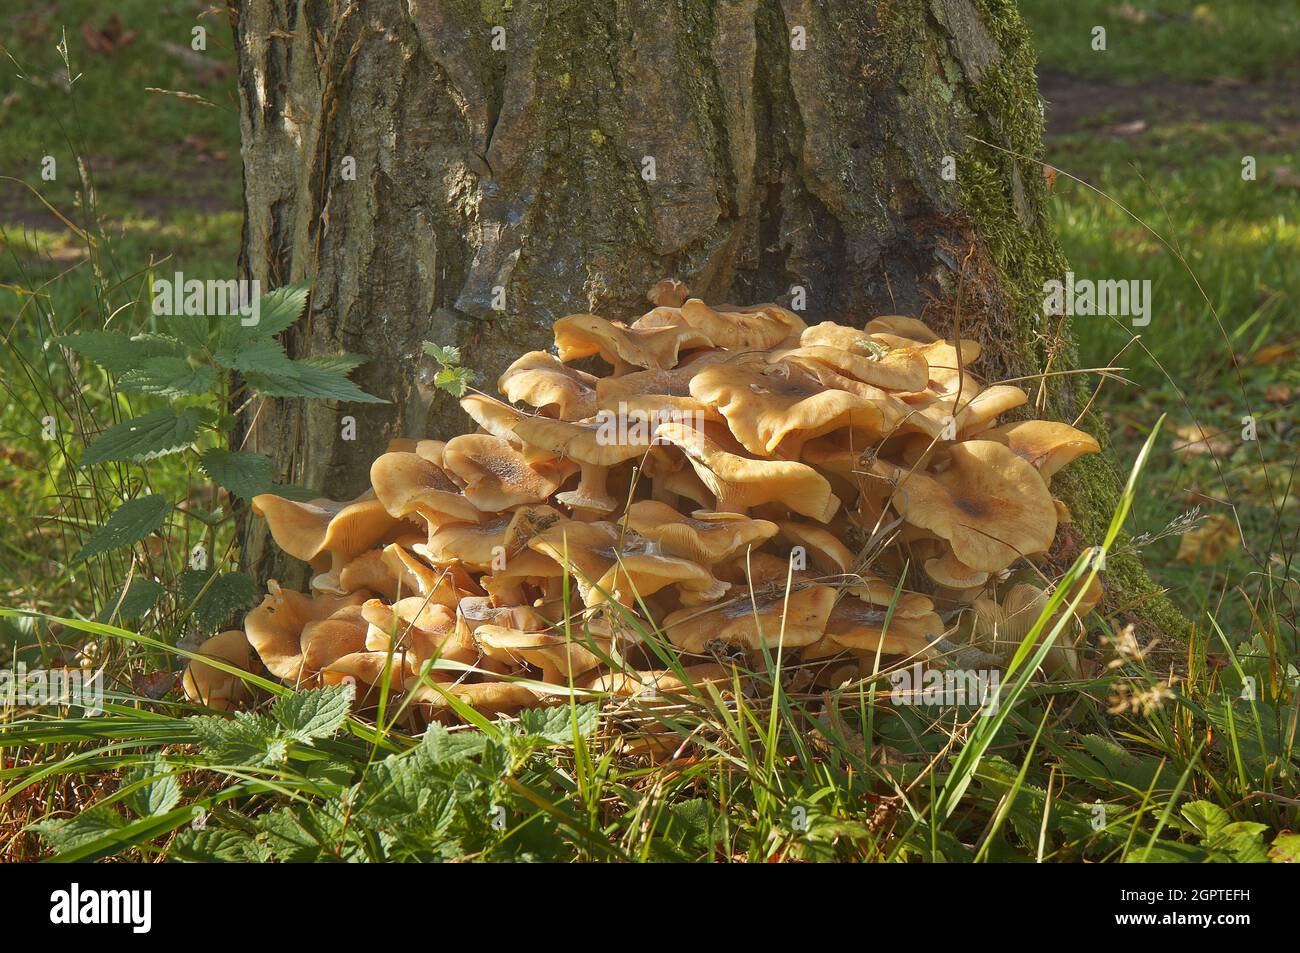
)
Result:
{"points": [[743, 482], [779, 408], [497, 476], [705, 538], [212, 687], [989, 504], [487, 698], [444, 584], [543, 381], [901, 326], [659, 682], [368, 571], [274, 628], [593, 442], [827, 553], [668, 292], [860, 356], [880, 592], [793, 620], [737, 329], [408, 484], [308, 531], [326, 640], [658, 392], [547, 651], [609, 562], [420, 629], [367, 668], [581, 335], [1047, 444], [948, 570], [855, 624]]}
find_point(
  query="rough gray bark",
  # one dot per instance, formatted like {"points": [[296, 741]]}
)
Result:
{"points": [[521, 168]]}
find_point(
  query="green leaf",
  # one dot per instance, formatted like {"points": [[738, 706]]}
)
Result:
{"points": [[203, 845], [449, 354], [193, 330], [315, 713], [116, 352], [446, 747], [228, 593], [245, 739], [142, 596], [554, 725], [161, 792], [302, 379], [454, 380], [169, 377], [130, 523], [84, 828], [277, 310], [144, 438], [1207, 817], [338, 363], [1285, 849], [261, 355], [244, 473]]}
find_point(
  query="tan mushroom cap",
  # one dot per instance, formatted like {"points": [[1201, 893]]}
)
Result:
{"points": [[948, 570], [312, 531], [594, 447], [497, 476], [989, 504], [559, 658], [622, 347], [218, 690], [658, 392], [275, 627], [738, 483], [609, 562], [661, 682], [325, 640], [901, 326], [487, 698], [1047, 444], [737, 329], [858, 625], [780, 408], [408, 484], [668, 292], [824, 550], [367, 668], [543, 381], [933, 413], [880, 592], [706, 538], [793, 620], [477, 545], [505, 583], [421, 630]]}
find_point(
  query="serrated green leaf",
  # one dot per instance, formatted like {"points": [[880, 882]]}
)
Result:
{"points": [[1285, 849], [244, 473], [144, 438], [169, 377], [212, 845], [88, 826], [259, 355], [245, 739], [315, 713], [193, 330], [555, 725], [446, 747], [116, 352], [302, 379], [278, 310], [1207, 817], [454, 380], [338, 363], [443, 354], [160, 793], [228, 593], [130, 523]]}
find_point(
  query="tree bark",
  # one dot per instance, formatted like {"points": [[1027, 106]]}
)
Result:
{"points": [[882, 155]]}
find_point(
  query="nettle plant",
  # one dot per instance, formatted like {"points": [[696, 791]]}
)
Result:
{"points": [[206, 370]]}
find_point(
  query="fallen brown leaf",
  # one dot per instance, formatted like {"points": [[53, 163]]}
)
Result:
{"points": [[1209, 542]]}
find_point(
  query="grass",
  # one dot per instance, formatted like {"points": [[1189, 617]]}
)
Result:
{"points": [[1171, 752]]}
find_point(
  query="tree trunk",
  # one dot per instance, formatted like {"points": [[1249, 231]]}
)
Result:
{"points": [[882, 155]]}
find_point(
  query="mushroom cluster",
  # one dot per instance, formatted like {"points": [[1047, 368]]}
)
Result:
{"points": [[736, 483]]}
